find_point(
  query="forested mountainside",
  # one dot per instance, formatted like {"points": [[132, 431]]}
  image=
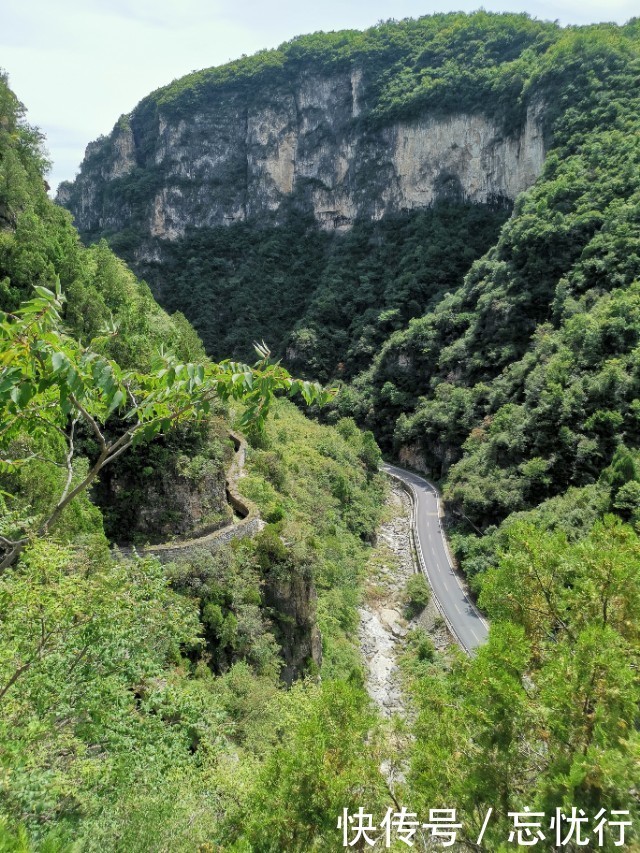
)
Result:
{"points": [[345, 125], [197, 186], [442, 217], [391, 301]]}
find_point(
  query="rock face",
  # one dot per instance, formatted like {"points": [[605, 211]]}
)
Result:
{"points": [[163, 492], [246, 154], [292, 603]]}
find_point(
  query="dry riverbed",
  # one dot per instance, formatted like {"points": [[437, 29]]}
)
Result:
{"points": [[383, 623]]}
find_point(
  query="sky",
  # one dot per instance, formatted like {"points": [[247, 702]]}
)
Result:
{"points": [[77, 65]]}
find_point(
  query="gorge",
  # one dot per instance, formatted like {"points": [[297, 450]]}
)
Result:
{"points": [[438, 219]]}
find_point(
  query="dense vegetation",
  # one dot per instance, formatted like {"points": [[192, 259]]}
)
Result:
{"points": [[520, 393], [154, 717], [330, 304], [526, 376], [141, 704], [516, 386], [440, 62]]}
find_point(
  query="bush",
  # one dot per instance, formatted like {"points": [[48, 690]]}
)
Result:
{"points": [[421, 644], [417, 594]]}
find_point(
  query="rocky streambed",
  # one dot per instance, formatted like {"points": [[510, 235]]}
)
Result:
{"points": [[384, 625]]}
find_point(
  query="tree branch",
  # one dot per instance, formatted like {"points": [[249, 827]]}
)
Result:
{"points": [[16, 675], [90, 420], [69, 459]]}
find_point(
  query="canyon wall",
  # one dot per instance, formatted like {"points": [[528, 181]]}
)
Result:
{"points": [[241, 154]]}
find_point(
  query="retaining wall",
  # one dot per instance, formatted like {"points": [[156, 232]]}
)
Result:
{"points": [[248, 525]]}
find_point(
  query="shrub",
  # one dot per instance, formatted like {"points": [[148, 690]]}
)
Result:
{"points": [[417, 594]]}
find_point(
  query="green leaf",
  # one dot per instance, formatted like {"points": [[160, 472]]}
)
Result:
{"points": [[117, 400], [59, 361], [44, 292]]}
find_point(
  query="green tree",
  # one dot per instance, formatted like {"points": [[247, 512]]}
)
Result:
{"points": [[417, 594], [322, 765]]}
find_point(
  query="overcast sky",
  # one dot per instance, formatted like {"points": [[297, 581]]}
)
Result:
{"points": [[79, 64]]}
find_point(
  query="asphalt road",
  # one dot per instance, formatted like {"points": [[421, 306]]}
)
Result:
{"points": [[469, 627]]}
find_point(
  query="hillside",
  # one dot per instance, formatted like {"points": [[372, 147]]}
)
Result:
{"points": [[327, 134], [455, 320]]}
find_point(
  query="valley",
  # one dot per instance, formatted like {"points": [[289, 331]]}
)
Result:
{"points": [[417, 242]]}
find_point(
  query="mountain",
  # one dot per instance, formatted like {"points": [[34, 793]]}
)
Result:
{"points": [[344, 126], [422, 212], [328, 132], [442, 218]]}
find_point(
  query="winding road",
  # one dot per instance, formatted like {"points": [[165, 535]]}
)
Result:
{"points": [[460, 613]]}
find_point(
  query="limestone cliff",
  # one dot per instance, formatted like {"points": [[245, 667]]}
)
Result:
{"points": [[242, 153], [258, 198], [292, 603]]}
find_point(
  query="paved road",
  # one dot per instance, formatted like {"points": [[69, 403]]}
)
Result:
{"points": [[468, 626]]}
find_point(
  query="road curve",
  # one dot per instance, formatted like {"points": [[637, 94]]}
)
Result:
{"points": [[464, 620]]}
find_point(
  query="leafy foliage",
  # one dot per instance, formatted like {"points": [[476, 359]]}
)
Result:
{"points": [[328, 303], [547, 711], [447, 62], [48, 380], [321, 488], [417, 593], [134, 698]]}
